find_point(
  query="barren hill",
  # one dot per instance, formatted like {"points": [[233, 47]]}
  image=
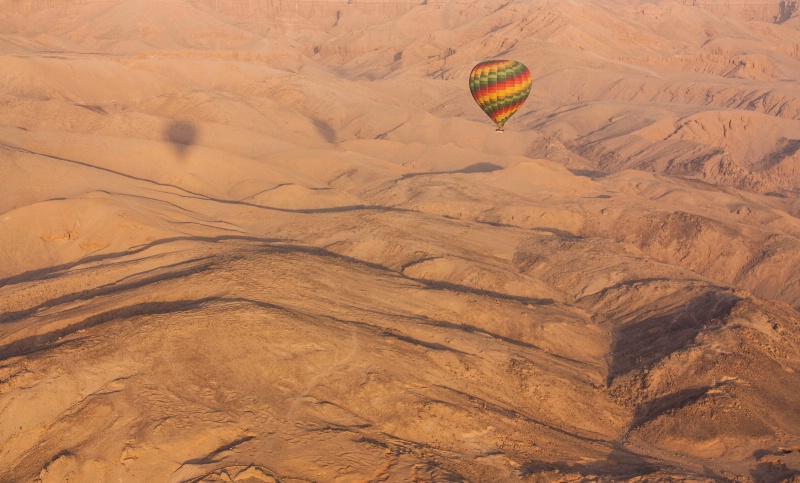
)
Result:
{"points": [[276, 240]]}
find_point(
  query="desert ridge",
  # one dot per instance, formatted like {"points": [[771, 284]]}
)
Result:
{"points": [[279, 241]]}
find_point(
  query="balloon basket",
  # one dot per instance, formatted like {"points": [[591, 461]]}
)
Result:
{"points": [[499, 130]]}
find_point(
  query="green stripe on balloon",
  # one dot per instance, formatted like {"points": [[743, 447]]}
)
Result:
{"points": [[500, 87]]}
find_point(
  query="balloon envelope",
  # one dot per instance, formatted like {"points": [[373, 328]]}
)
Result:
{"points": [[500, 87]]}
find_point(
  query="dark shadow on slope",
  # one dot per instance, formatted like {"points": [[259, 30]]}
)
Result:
{"points": [[644, 341], [760, 453], [473, 168], [773, 472], [430, 284], [211, 457], [560, 233], [626, 284], [388, 332], [480, 168], [100, 168], [194, 266], [784, 148], [53, 338], [508, 340], [439, 285], [771, 464], [50, 339], [325, 130], [510, 413], [200, 196], [786, 9], [93, 108], [651, 410], [621, 464], [588, 173], [554, 231], [182, 135], [338, 209], [50, 272]]}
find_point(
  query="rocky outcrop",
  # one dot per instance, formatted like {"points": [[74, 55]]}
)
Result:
{"points": [[765, 10]]}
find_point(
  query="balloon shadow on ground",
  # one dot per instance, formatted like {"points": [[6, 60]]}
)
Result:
{"points": [[182, 135], [325, 130]]}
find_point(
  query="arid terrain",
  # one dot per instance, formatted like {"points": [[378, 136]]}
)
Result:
{"points": [[277, 240]]}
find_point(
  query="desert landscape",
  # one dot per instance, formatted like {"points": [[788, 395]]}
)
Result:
{"points": [[278, 241]]}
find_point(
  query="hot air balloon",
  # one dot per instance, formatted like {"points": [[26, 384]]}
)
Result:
{"points": [[500, 87]]}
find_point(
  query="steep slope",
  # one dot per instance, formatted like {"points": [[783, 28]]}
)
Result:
{"points": [[277, 241]]}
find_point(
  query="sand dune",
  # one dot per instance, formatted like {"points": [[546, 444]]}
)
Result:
{"points": [[275, 240]]}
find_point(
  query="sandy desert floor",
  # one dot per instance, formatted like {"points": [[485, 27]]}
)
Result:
{"points": [[276, 240]]}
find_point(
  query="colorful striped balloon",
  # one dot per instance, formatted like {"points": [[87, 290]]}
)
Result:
{"points": [[500, 87]]}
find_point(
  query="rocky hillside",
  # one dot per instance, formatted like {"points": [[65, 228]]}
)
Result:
{"points": [[278, 241]]}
